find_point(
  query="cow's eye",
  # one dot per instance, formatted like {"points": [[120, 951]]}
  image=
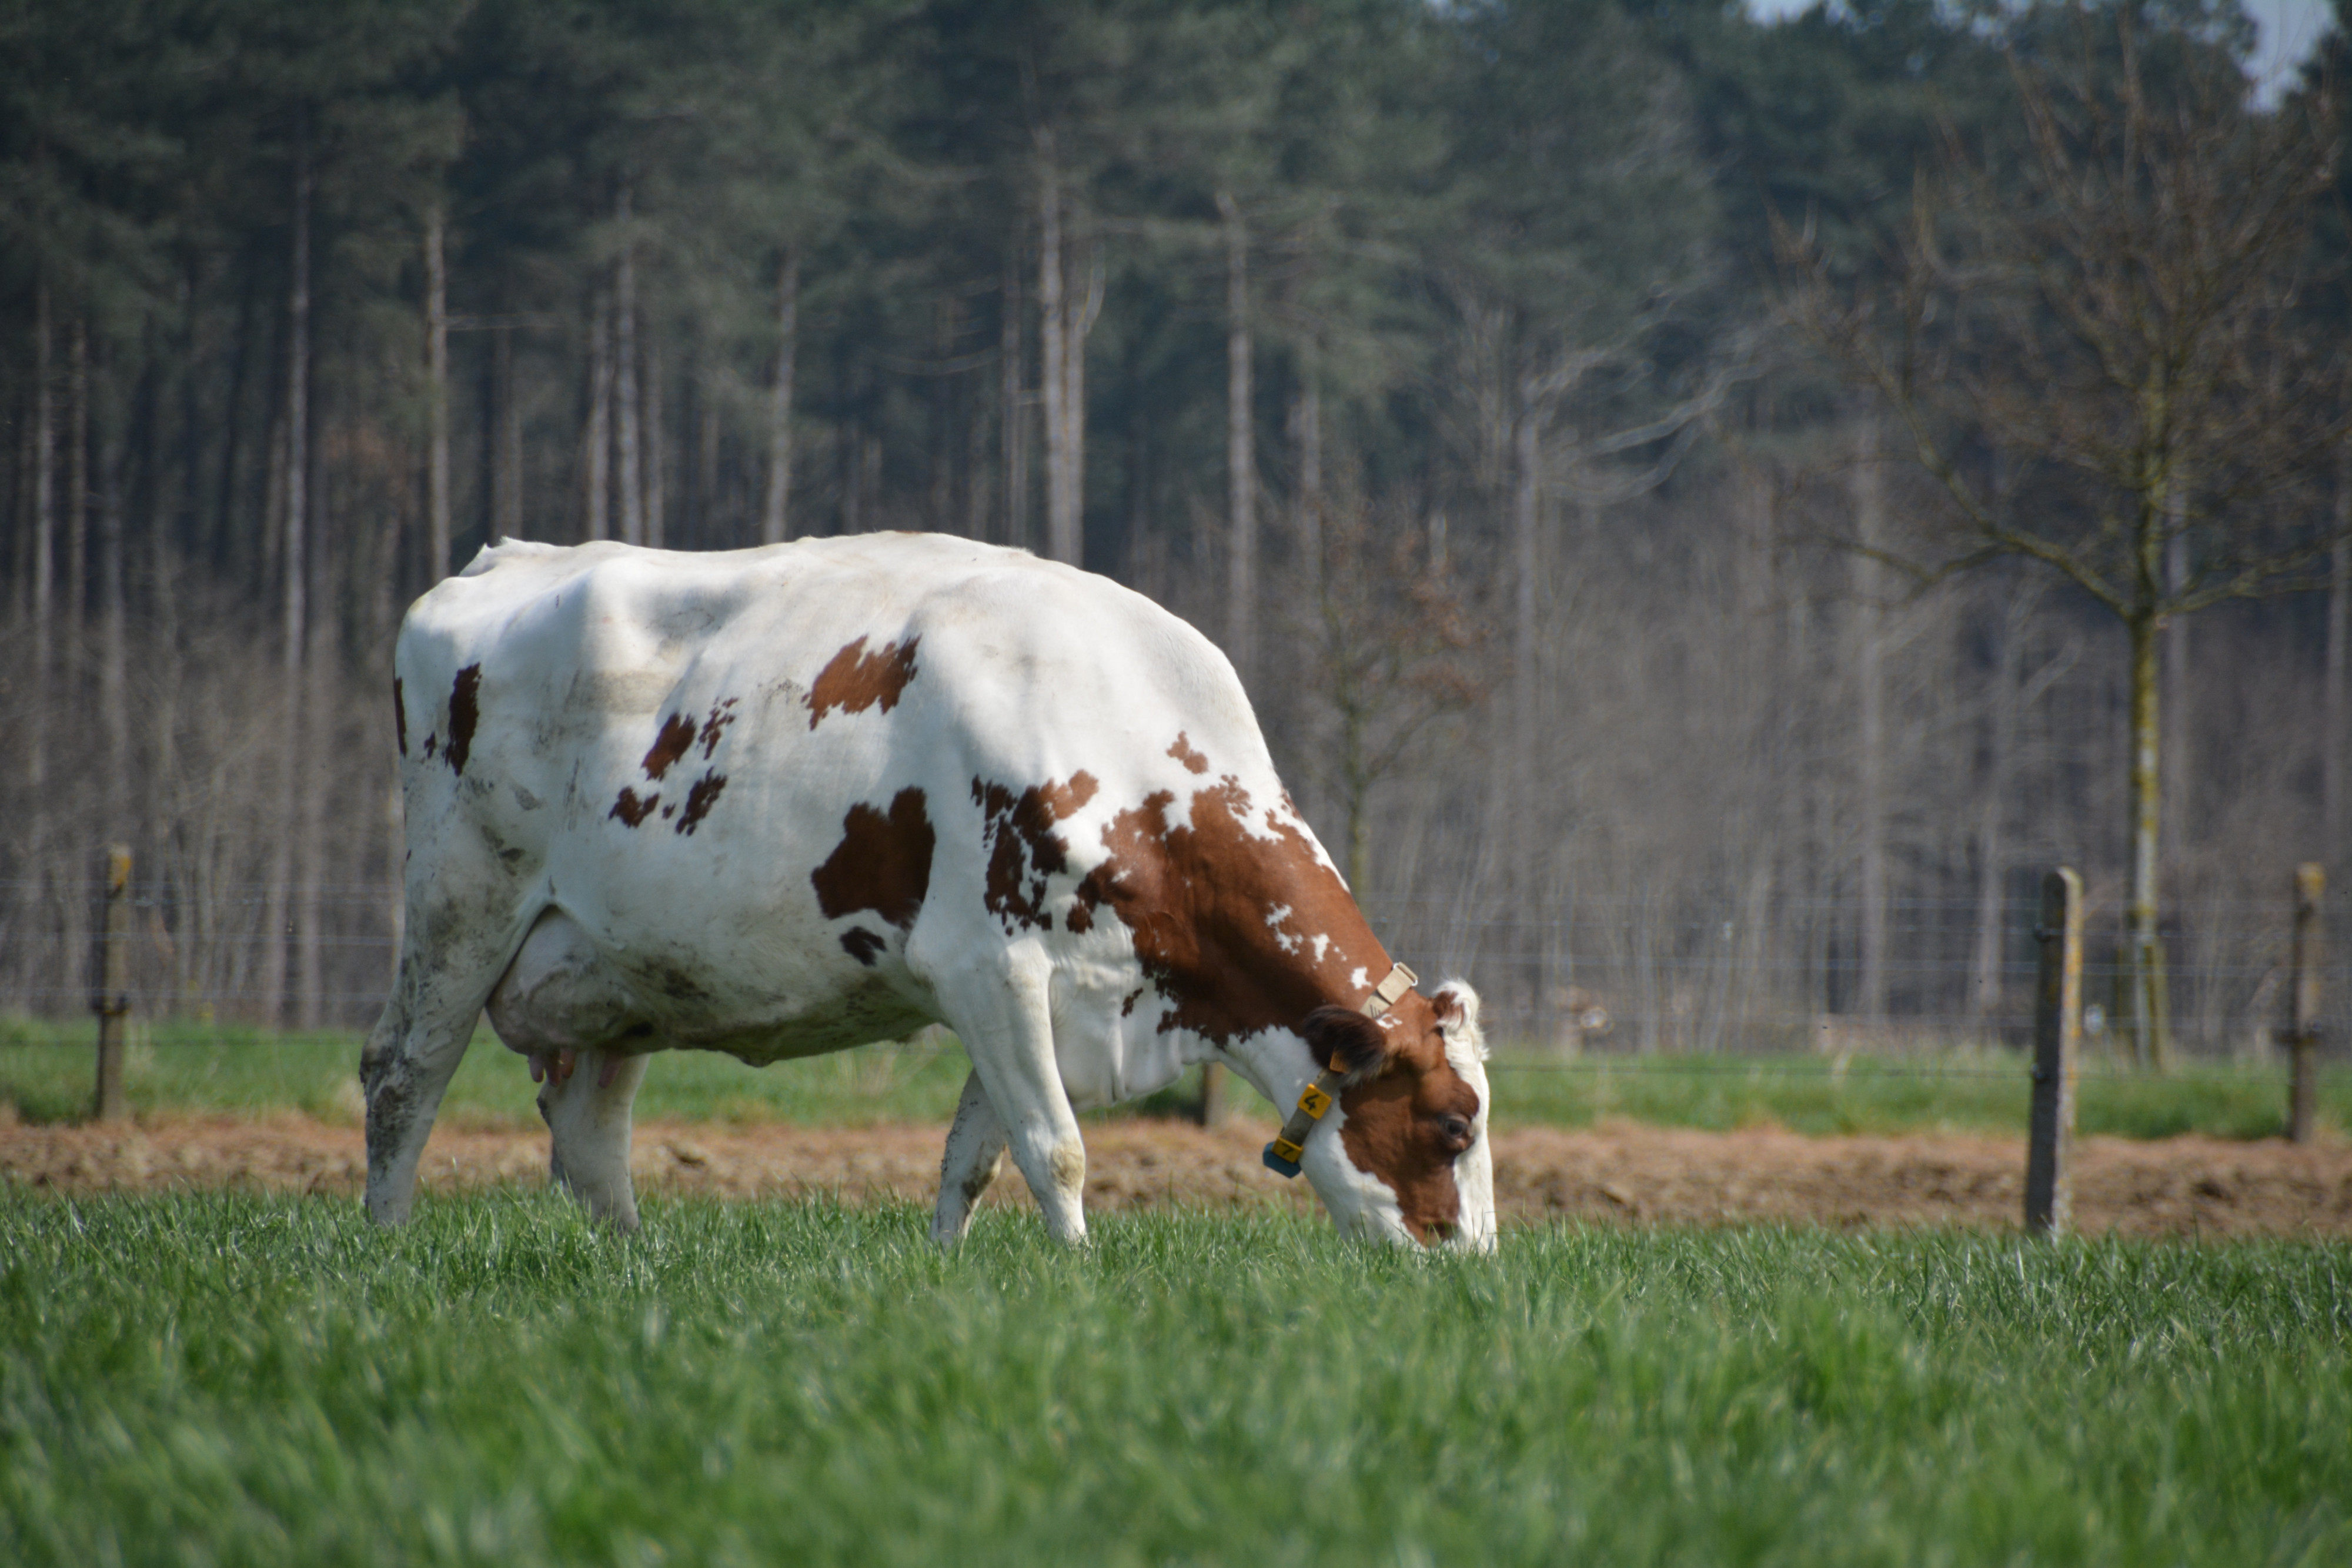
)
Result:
{"points": [[1455, 1131]]}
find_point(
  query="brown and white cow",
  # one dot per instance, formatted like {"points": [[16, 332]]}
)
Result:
{"points": [[784, 801]]}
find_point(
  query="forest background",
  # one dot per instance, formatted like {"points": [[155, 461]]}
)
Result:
{"points": [[1439, 361]]}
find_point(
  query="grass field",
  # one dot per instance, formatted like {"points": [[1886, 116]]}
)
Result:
{"points": [[236, 1379], [45, 1072]]}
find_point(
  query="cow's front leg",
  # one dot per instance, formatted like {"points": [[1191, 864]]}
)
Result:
{"points": [[1003, 1012], [587, 1103], [975, 1153]]}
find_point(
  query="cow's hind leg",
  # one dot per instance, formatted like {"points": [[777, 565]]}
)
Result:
{"points": [[405, 1067], [1003, 1012], [588, 1118], [975, 1153]]}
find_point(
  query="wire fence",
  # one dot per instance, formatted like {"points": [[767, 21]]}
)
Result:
{"points": [[1609, 975]]}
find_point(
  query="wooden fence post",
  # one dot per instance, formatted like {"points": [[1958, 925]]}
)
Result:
{"points": [[2303, 1028], [2057, 1029], [110, 1000], [1213, 1093]]}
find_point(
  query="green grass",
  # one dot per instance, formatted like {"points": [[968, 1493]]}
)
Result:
{"points": [[252, 1380], [45, 1071]]}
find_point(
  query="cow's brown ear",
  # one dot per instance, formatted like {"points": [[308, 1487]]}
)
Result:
{"points": [[1345, 1037]]}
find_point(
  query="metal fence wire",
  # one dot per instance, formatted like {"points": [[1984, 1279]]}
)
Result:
{"points": [[1605, 974]]}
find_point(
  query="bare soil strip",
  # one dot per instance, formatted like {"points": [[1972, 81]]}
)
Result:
{"points": [[2189, 1186]]}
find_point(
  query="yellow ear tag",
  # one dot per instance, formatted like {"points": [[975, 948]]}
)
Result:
{"points": [[1315, 1102]]}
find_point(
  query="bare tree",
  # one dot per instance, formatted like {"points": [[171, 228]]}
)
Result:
{"points": [[1393, 648], [2124, 329]]}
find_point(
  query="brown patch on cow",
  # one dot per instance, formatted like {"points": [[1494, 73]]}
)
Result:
{"points": [[632, 809], [883, 864], [699, 801], [667, 812], [399, 717], [676, 734], [465, 713], [1196, 894], [713, 727], [429, 746], [1023, 851], [855, 680], [1398, 1122], [1182, 752], [861, 944]]}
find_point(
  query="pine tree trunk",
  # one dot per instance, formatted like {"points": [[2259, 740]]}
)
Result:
{"points": [[2339, 623], [44, 567], [598, 440], [77, 495], [775, 515], [506, 465], [976, 492], [437, 369], [1870, 720], [1241, 455], [1077, 323], [706, 468], [113, 706], [310, 871], [939, 432], [33, 960], [159, 624], [90, 477], [160, 639], [1013, 409], [1059, 526], [656, 470], [626, 408], [293, 564]]}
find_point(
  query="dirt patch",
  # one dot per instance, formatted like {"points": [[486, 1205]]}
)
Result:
{"points": [[1616, 1173]]}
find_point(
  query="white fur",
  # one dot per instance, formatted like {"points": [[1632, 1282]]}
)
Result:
{"points": [[1474, 1168]]}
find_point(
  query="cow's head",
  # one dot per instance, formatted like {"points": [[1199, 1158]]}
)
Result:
{"points": [[1410, 1160]]}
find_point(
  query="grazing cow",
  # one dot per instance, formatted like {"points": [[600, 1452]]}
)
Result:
{"points": [[784, 801]]}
